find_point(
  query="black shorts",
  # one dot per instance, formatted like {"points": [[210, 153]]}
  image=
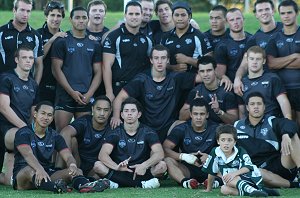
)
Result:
{"points": [[274, 165], [64, 102], [293, 96], [196, 172], [47, 92], [86, 167]]}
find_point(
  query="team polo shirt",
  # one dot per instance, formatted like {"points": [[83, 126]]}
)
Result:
{"points": [[159, 99], [270, 86], [48, 79], [193, 44], [138, 146], [89, 139], [230, 52], [226, 99], [215, 39], [78, 56], [98, 35], [42, 148], [157, 33], [190, 141], [131, 53], [263, 141], [282, 45], [11, 39], [23, 94]]}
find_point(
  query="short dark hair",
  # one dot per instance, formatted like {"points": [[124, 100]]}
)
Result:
{"points": [[132, 3], [226, 129], [205, 60], [160, 2], [78, 8], [221, 8], [257, 50], [44, 102], [255, 94], [160, 47], [94, 3], [131, 100], [231, 10], [22, 48], [53, 4], [102, 97], [16, 3], [263, 1], [199, 102], [288, 3]]}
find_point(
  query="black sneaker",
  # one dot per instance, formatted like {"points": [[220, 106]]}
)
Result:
{"points": [[258, 193], [60, 186], [96, 186], [271, 192]]}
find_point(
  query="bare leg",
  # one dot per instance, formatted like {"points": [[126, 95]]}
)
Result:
{"points": [[100, 169], [159, 169], [273, 180], [176, 170], [80, 114], [24, 179], [62, 119]]}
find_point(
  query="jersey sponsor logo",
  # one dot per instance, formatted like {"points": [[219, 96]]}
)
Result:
{"points": [[71, 49], [208, 140], [17, 89], [220, 161], [246, 88], [131, 140], [126, 40], [80, 44], [233, 52], [169, 42], [243, 136], [122, 143], [198, 138], [19, 42], [188, 41], [33, 144], [25, 87], [86, 140], [279, 44], [242, 127], [254, 83], [40, 143], [149, 95], [170, 88], [45, 40], [29, 39], [235, 163], [265, 84], [242, 46], [262, 44], [140, 142], [159, 87], [48, 145], [178, 46], [107, 43], [289, 40], [187, 141], [97, 135], [208, 45], [142, 40], [264, 131], [135, 44], [8, 37], [297, 41], [89, 49]]}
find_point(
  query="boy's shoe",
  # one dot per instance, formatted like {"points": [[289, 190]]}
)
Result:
{"points": [[191, 183], [258, 193], [216, 184], [271, 191], [60, 186], [96, 186], [151, 183]]}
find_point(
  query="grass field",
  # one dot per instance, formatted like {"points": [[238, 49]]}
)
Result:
{"points": [[168, 188]]}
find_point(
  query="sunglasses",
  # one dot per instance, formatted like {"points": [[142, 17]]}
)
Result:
{"points": [[54, 4]]}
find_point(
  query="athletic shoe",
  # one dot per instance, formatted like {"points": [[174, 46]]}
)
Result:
{"points": [[112, 184], [191, 183], [216, 184], [60, 186], [258, 193], [271, 192], [96, 186], [151, 183]]}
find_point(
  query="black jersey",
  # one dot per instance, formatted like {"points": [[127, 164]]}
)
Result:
{"points": [[131, 53], [159, 99], [42, 148], [138, 146], [270, 86], [98, 35], [89, 139], [11, 39], [226, 100], [230, 53], [193, 43], [23, 94], [78, 56], [263, 141], [157, 33], [189, 141], [282, 45], [214, 40]]}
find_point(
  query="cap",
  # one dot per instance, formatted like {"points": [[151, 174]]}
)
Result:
{"points": [[181, 4]]}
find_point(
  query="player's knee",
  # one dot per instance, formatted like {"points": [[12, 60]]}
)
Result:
{"points": [[100, 168], [159, 169], [225, 190], [169, 161]]}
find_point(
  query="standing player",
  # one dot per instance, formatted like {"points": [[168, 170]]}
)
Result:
{"points": [[34, 147], [132, 154], [18, 94], [125, 51], [195, 139], [283, 54], [73, 55], [148, 10], [16, 33]]}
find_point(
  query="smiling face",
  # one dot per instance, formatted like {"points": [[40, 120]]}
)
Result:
{"points": [[44, 116], [207, 73], [148, 10], [264, 12], [54, 19], [164, 13]]}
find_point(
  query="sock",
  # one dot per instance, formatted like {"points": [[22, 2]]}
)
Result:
{"points": [[90, 178], [124, 179], [49, 185], [294, 184], [244, 188], [183, 180], [79, 181]]}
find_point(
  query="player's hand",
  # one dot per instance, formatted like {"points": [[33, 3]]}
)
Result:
{"points": [[179, 67], [286, 145], [238, 86], [86, 98], [41, 175], [78, 97], [123, 166], [181, 58], [214, 104], [60, 34], [227, 83], [140, 169], [203, 157], [73, 170], [189, 158], [229, 177], [111, 96], [115, 122]]}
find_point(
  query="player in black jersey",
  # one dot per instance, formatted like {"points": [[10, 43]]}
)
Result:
{"points": [[267, 83], [223, 104], [34, 147], [86, 134], [18, 94], [272, 143], [132, 154], [195, 139]]}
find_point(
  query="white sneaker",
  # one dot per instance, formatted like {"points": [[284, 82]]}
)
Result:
{"points": [[151, 183], [113, 185]]}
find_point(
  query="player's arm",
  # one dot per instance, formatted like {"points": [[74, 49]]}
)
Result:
{"points": [[242, 70], [230, 176], [157, 155], [296, 63], [221, 74], [48, 45], [184, 113], [241, 111], [285, 106], [228, 117], [108, 61], [97, 77], [115, 120], [210, 181], [184, 59], [8, 112], [280, 62], [38, 69], [67, 156], [168, 147], [104, 156]]}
